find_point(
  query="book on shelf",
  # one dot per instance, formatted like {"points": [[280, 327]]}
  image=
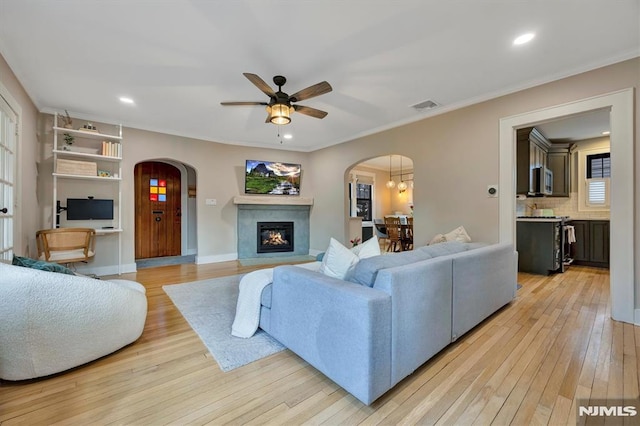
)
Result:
{"points": [[111, 149]]}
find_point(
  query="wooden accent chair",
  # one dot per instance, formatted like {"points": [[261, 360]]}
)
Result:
{"points": [[66, 245], [394, 231]]}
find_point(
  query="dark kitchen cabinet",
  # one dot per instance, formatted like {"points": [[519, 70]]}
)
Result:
{"points": [[559, 163], [592, 243], [531, 152], [538, 245]]}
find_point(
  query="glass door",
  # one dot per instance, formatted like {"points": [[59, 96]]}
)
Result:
{"points": [[7, 179]]}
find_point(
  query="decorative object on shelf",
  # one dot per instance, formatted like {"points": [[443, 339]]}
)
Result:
{"points": [[78, 168], [391, 183], [111, 149], [65, 120], [104, 173], [89, 127], [68, 140]]}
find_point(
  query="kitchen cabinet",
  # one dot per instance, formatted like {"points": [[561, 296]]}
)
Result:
{"points": [[559, 163], [592, 243], [531, 152], [539, 246]]}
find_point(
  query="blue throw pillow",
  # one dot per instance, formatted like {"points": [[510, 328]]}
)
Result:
{"points": [[41, 265]]}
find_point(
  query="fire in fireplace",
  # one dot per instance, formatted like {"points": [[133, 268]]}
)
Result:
{"points": [[275, 237]]}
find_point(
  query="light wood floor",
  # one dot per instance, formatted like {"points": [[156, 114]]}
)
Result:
{"points": [[527, 364]]}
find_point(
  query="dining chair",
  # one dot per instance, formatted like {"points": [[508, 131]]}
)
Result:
{"points": [[394, 227], [381, 231], [407, 235]]}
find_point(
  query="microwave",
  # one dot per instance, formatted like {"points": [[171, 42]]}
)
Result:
{"points": [[541, 181]]}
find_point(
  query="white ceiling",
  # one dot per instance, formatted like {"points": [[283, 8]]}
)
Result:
{"points": [[178, 59]]}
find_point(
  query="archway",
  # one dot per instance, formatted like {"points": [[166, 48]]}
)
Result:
{"points": [[368, 197]]}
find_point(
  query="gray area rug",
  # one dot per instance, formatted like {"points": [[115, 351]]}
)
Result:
{"points": [[209, 306]]}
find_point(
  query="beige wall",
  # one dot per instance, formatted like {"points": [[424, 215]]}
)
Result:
{"points": [[219, 174], [455, 156], [27, 170]]}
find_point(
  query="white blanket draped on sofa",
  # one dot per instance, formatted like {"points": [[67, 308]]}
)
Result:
{"points": [[247, 317]]}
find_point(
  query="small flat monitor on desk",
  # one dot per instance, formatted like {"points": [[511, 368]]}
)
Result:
{"points": [[89, 209]]}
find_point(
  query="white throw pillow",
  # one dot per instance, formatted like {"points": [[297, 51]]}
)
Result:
{"points": [[458, 234], [337, 260], [437, 239], [369, 248]]}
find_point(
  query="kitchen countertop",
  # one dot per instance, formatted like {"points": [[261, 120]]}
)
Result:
{"points": [[542, 219]]}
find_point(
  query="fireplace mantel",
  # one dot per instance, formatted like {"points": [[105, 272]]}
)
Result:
{"points": [[273, 200]]}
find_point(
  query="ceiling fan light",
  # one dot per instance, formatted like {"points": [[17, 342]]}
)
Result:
{"points": [[280, 114]]}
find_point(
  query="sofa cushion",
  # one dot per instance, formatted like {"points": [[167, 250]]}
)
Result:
{"points": [[369, 248], [366, 271], [338, 260], [439, 238], [443, 249], [458, 234], [40, 265]]}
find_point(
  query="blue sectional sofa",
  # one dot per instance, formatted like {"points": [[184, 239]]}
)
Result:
{"points": [[395, 313]]}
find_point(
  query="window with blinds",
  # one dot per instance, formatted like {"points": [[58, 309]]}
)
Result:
{"points": [[364, 201], [598, 179]]}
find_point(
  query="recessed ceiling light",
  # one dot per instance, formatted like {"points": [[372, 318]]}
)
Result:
{"points": [[287, 136], [126, 100], [524, 38], [606, 132]]}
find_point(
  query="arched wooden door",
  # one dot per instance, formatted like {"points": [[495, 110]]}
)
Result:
{"points": [[158, 210]]}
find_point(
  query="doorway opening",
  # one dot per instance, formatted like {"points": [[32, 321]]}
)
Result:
{"points": [[165, 208], [369, 195], [622, 255]]}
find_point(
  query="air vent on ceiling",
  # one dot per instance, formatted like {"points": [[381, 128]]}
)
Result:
{"points": [[428, 104]]}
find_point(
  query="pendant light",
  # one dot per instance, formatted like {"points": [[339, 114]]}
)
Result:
{"points": [[402, 186], [390, 183]]}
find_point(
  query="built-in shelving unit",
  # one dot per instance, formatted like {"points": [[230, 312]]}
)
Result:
{"points": [[94, 157]]}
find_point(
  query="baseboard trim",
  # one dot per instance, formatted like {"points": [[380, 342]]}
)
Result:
{"points": [[201, 260], [107, 270]]}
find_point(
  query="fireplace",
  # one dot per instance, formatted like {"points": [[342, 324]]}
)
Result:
{"points": [[275, 237]]}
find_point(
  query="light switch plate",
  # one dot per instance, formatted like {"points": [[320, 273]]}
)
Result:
{"points": [[211, 202]]}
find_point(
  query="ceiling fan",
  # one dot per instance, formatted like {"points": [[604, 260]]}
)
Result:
{"points": [[281, 105]]}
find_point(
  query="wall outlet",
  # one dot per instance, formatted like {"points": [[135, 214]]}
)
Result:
{"points": [[492, 191], [211, 202]]}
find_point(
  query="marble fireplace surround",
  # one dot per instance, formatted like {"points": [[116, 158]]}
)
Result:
{"points": [[254, 209]]}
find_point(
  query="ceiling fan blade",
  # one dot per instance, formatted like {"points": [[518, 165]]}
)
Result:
{"points": [[268, 120], [242, 103], [260, 84], [311, 112], [311, 92]]}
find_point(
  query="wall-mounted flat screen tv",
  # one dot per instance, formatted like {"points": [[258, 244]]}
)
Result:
{"points": [[89, 209], [273, 178]]}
